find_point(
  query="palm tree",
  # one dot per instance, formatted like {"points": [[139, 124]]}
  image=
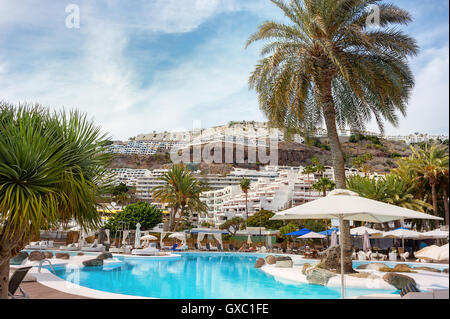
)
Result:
{"points": [[326, 65], [52, 168], [317, 165], [181, 192], [391, 189], [323, 185], [430, 166], [245, 187]]}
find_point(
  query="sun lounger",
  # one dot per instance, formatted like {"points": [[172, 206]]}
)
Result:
{"points": [[362, 255], [37, 245], [151, 251], [71, 247], [212, 247], [94, 248], [14, 284]]}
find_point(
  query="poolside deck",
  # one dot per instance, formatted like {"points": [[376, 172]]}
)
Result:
{"points": [[38, 291]]}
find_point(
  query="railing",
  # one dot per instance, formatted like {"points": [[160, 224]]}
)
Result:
{"points": [[49, 262]]}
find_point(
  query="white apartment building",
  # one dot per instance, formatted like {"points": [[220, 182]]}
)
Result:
{"points": [[291, 188], [128, 176], [416, 138]]}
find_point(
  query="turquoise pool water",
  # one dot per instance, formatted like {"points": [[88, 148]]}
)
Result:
{"points": [[199, 276]]}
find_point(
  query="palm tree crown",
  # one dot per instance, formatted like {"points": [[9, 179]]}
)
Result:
{"points": [[181, 192]]}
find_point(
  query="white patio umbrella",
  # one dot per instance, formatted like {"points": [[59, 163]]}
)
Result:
{"points": [[360, 231], [433, 253], [366, 242], [443, 256], [312, 235], [436, 234], [149, 237], [346, 205], [334, 239], [137, 238], [249, 239], [403, 234]]}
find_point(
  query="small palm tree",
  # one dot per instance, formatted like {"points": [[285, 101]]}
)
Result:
{"points": [[181, 192], [429, 166], [52, 169], [245, 187], [390, 189], [323, 185]]}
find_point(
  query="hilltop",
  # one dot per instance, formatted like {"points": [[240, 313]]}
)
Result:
{"points": [[384, 153]]}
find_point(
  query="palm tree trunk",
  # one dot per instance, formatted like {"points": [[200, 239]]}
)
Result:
{"points": [[4, 278], [338, 163], [434, 198], [445, 195], [246, 205]]}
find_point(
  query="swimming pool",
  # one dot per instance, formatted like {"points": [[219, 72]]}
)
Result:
{"points": [[198, 276]]}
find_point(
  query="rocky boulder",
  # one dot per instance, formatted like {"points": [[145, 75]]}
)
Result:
{"points": [[80, 254], [36, 256], [331, 260], [305, 267], [62, 256], [259, 263], [284, 262], [318, 276], [48, 255], [271, 260], [105, 256], [402, 268], [427, 269], [19, 258], [374, 266], [397, 280], [445, 271], [93, 262]]}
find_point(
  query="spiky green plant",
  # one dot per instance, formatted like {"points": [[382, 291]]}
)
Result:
{"points": [[52, 169]]}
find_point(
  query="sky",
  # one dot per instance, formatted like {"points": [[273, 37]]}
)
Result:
{"points": [[159, 65]]}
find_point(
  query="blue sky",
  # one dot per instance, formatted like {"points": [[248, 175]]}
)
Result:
{"points": [[138, 66]]}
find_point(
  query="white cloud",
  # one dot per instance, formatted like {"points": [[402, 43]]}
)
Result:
{"points": [[428, 109]]}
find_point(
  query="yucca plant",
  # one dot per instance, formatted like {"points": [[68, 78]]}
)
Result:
{"points": [[326, 65], [52, 169]]}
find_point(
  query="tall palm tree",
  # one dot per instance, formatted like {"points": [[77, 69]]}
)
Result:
{"points": [[52, 168], [245, 187], [430, 166], [323, 185], [327, 65], [181, 192]]}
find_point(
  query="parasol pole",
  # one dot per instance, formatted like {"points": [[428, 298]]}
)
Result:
{"points": [[341, 223]]}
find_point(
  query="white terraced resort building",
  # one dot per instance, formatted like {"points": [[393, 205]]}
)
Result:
{"points": [[273, 188]]}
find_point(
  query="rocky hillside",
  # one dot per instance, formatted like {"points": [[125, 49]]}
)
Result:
{"points": [[289, 154]]}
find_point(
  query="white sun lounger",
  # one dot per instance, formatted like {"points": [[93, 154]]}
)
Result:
{"points": [[71, 247], [94, 248], [145, 252]]}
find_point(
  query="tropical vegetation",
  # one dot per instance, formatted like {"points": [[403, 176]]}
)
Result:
{"points": [[328, 65], [245, 185], [181, 193], [143, 213], [52, 170]]}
